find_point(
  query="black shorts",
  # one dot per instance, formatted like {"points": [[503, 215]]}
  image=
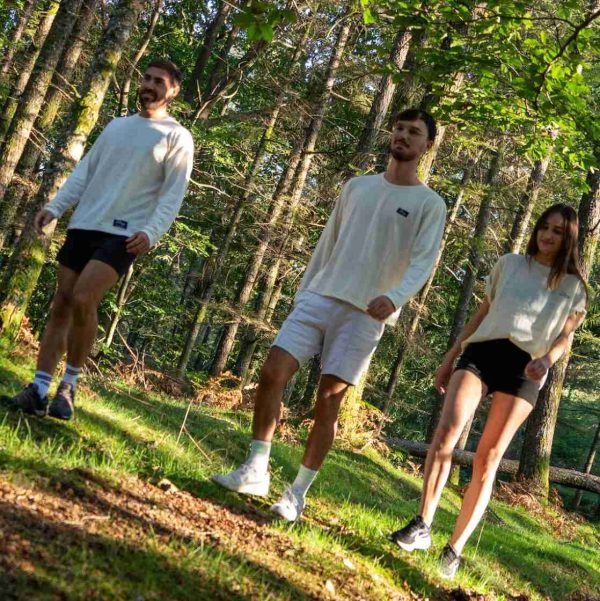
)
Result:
{"points": [[500, 365], [81, 246]]}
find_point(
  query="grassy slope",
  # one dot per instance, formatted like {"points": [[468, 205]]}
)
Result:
{"points": [[80, 517]]}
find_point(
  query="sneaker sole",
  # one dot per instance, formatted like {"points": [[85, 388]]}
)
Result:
{"points": [[447, 576], [251, 490], [416, 546], [274, 509], [61, 417]]}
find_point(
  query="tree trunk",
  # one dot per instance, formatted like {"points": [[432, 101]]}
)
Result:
{"points": [[350, 409], [381, 103], [310, 391], [26, 68], [557, 475], [539, 433], [227, 82], [22, 188], [126, 85], [30, 104], [17, 33], [254, 330], [218, 262], [192, 90], [471, 270], [299, 165], [527, 205], [28, 259], [587, 468], [122, 298]]}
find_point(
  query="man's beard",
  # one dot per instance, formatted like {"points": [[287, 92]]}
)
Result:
{"points": [[402, 154], [149, 102]]}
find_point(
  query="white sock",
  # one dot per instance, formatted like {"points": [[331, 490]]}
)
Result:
{"points": [[71, 375], [42, 380], [260, 452], [303, 480]]}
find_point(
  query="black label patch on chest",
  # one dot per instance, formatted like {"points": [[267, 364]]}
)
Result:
{"points": [[120, 223], [402, 212]]}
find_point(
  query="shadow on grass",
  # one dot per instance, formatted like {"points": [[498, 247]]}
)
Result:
{"points": [[65, 561], [220, 436]]}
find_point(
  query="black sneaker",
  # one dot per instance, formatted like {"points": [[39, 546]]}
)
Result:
{"points": [[449, 562], [415, 535], [30, 401], [63, 405]]}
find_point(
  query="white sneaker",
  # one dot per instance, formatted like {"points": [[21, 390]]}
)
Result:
{"points": [[246, 480], [289, 506]]}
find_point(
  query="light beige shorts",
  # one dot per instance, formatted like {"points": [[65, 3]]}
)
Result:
{"points": [[345, 336]]}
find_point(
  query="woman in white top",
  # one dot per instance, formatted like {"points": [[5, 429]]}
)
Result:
{"points": [[534, 303]]}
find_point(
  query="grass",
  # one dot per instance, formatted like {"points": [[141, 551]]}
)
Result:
{"points": [[81, 516]]}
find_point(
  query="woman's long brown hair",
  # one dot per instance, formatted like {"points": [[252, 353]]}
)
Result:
{"points": [[567, 258]]}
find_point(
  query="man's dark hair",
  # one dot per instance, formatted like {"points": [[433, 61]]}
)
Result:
{"points": [[413, 115], [169, 66]]}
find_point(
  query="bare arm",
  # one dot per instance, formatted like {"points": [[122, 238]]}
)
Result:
{"points": [[537, 368], [444, 371]]}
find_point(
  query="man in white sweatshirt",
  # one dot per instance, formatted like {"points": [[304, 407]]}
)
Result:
{"points": [[376, 252], [127, 191]]}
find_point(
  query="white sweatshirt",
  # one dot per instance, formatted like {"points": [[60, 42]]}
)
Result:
{"points": [[381, 239], [132, 179]]}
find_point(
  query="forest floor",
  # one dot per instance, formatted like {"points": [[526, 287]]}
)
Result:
{"points": [[113, 506]]}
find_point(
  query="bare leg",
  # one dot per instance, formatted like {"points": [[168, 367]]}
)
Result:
{"points": [[277, 371], [464, 394], [507, 413], [94, 282], [54, 340], [329, 398]]}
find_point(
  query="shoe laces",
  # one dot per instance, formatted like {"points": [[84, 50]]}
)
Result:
{"points": [[289, 496], [415, 524]]}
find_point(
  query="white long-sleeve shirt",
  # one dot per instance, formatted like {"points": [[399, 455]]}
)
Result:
{"points": [[133, 178], [381, 239]]}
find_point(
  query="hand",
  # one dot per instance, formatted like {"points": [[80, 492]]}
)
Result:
{"points": [[380, 308], [138, 244], [42, 219], [536, 369], [442, 376]]}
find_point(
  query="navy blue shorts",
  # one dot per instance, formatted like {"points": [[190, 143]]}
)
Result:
{"points": [[500, 365], [81, 246]]}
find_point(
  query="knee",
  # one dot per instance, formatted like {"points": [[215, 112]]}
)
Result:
{"points": [[83, 305], [446, 436], [62, 306], [272, 375], [485, 463], [327, 408]]}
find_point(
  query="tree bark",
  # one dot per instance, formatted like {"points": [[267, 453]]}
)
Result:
{"points": [[299, 165], [381, 103], [539, 432], [22, 187], [192, 90], [26, 68], [128, 76], [224, 85], [122, 298], [28, 259], [558, 475], [17, 34], [526, 205], [587, 468], [30, 104]]}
